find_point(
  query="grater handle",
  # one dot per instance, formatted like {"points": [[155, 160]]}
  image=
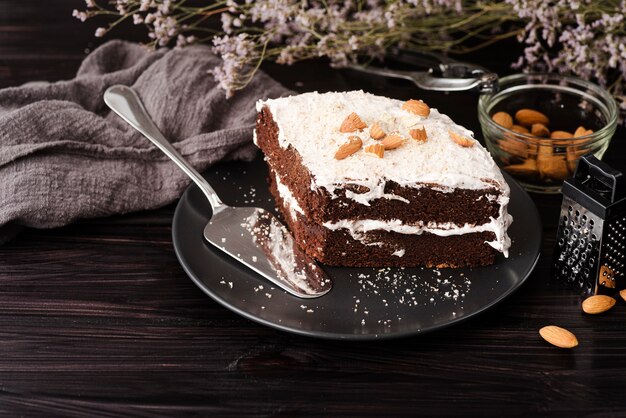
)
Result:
{"points": [[590, 167]]}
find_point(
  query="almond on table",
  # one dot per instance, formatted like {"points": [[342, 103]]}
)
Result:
{"points": [[597, 304], [353, 145], [559, 337], [352, 123]]}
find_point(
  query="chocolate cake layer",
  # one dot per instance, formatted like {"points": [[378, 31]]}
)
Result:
{"points": [[427, 204], [338, 247]]}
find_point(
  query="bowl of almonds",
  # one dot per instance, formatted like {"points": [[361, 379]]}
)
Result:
{"points": [[539, 125]]}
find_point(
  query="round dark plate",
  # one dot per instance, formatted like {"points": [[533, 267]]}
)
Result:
{"points": [[365, 303]]}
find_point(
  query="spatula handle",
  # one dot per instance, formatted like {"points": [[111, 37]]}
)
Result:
{"points": [[124, 101]]}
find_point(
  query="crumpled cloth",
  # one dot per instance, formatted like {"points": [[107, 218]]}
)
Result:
{"points": [[64, 155]]}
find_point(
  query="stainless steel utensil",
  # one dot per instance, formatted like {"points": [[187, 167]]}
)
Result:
{"points": [[589, 251], [441, 74], [252, 236]]}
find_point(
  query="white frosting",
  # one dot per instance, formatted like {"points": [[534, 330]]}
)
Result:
{"points": [[288, 198], [358, 229], [310, 124]]}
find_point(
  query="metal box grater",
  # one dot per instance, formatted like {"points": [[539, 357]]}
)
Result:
{"points": [[590, 250]]}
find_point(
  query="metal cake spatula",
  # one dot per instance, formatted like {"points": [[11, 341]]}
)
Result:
{"points": [[253, 236]]}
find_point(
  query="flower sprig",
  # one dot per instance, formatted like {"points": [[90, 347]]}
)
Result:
{"points": [[583, 37]]}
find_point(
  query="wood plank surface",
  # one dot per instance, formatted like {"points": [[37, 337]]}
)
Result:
{"points": [[99, 319]]}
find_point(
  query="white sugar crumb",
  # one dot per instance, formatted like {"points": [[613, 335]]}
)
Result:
{"points": [[230, 284], [269, 295], [254, 258], [398, 290]]}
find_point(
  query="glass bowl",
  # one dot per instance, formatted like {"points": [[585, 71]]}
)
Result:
{"points": [[542, 161]]}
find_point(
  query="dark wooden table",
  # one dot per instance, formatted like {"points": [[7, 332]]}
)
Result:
{"points": [[99, 319]]}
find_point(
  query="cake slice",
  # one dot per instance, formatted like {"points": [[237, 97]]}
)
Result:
{"points": [[364, 180]]}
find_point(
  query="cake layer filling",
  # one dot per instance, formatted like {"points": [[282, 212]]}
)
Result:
{"points": [[359, 229]]}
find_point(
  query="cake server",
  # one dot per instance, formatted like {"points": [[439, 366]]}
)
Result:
{"points": [[253, 236]]}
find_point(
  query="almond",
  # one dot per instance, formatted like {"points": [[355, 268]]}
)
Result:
{"points": [[539, 129], [520, 129], [550, 165], [353, 145], [560, 135], [416, 107], [528, 117], [461, 140], [392, 141], [597, 304], [513, 147], [582, 131], [352, 123], [558, 336], [622, 293], [503, 119], [527, 168], [573, 155], [376, 131], [553, 167], [376, 149], [418, 134]]}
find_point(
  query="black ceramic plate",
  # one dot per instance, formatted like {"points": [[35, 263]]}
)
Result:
{"points": [[365, 303]]}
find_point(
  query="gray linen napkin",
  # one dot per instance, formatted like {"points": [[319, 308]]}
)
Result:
{"points": [[65, 156]]}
